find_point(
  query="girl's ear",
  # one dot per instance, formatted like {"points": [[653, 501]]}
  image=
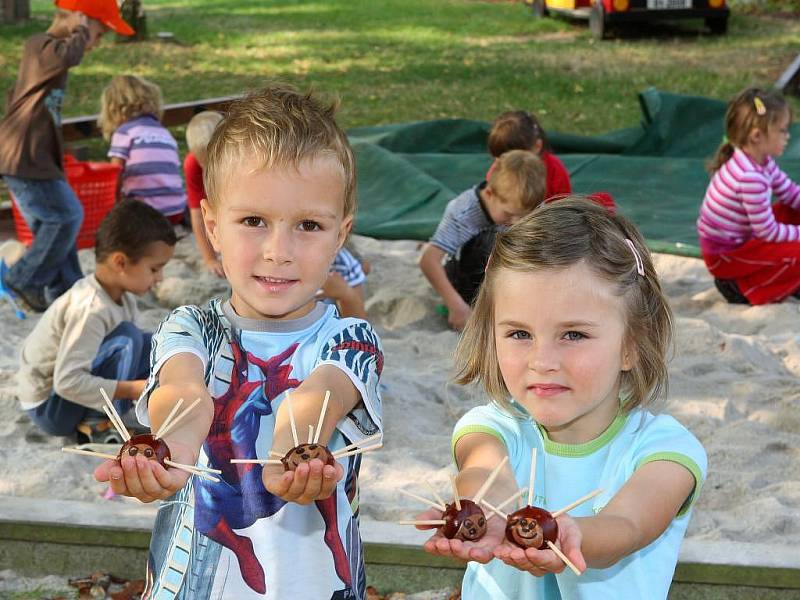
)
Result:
{"points": [[537, 146], [629, 355], [755, 136]]}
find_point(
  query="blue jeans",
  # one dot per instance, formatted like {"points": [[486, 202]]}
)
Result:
{"points": [[54, 214], [124, 355]]}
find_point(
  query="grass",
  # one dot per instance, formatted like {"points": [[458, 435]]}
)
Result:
{"points": [[402, 60]]}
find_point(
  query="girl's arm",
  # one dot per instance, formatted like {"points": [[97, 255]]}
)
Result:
{"points": [[785, 190], [477, 454], [116, 160], [311, 481], [754, 193], [639, 513]]}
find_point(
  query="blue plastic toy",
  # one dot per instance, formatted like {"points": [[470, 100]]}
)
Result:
{"points": [[7, 293]]}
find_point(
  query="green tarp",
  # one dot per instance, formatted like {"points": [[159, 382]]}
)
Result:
{"points": [[408, 172]]}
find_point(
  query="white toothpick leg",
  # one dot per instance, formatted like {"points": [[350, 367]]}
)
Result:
{"points": [[533, 476], [581, 500], [339, 455], [255, 461], [489, 481], [494, 509], [435, 495], [511, 498], [561, 555], [165, 422], [424, 500], [456, 497], [427, 522], [363, 442], [322, 415], [310, 434], [291, 421], [120, 428], [90, 453], [165, 430], [114, 417]]}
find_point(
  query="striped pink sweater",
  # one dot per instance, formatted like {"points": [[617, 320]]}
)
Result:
{"points": [[738, 205]]}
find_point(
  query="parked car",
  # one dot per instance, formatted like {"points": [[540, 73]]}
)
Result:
{"points": [[603, 14]]}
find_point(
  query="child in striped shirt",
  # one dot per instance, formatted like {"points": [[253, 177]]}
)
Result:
{"points": [[130, 115], [750, 246]]}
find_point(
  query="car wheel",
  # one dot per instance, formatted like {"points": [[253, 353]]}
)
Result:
{"points": [[717, 25], [597, 20], [539, 8]]}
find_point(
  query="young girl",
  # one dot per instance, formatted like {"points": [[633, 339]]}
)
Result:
{"points": [[130, 113], [520, 130], [568, 337], [751, 247]]}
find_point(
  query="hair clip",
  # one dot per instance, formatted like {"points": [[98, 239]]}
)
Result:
{"points": [[637, 258], [761, 109]]}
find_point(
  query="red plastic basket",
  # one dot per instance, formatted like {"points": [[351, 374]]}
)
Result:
{"points": [[95, 184]]}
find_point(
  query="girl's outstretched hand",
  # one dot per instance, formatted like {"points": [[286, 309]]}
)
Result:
{"points": [[311, 481], [146, 479], [541, 562], [480, 551]]}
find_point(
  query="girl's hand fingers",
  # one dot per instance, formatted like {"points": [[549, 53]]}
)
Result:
{"points": [[279, 484]]}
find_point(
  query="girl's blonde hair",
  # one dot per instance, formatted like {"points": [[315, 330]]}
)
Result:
{"points": [[127, 97], [750, 109], [557, 236]]}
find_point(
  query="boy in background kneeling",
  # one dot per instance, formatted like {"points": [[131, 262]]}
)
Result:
{"points": [[88, 340]]}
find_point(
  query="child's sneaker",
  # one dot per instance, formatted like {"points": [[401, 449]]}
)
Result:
{"points": [[97, 431]]}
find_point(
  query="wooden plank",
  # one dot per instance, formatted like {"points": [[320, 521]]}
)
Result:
{"points": [[789, 81], [81, 128]]}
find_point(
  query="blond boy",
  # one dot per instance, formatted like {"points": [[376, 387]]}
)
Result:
{"points": [[281, 198], [198, 134], [465, 234]]}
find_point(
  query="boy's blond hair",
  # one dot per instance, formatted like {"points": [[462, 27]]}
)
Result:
{"points": [[519, 177], [557, 236], [199, 132], [278, 127], [127, 97]]}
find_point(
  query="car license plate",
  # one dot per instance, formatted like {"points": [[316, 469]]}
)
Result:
{"points": [[669, 4]]}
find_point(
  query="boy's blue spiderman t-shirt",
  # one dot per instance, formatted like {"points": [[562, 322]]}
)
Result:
{"points": [[566, 472], [233, 539]]}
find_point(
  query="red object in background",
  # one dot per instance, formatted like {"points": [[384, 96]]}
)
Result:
{"points": [[95, 184]]}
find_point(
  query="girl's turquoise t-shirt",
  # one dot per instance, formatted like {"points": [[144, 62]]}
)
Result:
{"points": [[567, 472]]}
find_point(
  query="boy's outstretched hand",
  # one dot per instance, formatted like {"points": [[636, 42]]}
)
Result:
{"points": [[311, 481], [146, 479], [541, 562], [480, 551]]}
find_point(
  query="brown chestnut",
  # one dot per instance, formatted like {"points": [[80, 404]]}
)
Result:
{"points": [[531, 527], [307, 453], [467, 524], [149, 446]]}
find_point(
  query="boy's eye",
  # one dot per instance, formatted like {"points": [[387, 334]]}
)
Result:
{"points": [[310, 226], [573, 336], [518, 334], [252, 221]]}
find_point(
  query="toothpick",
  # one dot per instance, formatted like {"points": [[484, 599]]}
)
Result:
{"points": [[196, 467], [569, 507], [428, 522], [165, 430], [120, 428], [322, 415], [310, 434], [489, 481], [359, 443], [90, 453], [116, 420], [291, 421], [339, 455], [495, 510], [255, 461], [533, 476], [561, 555], [192, 470], [435, 495], [165, 422], [275, 454], [424, 500], [455, 491], [511, 498]]}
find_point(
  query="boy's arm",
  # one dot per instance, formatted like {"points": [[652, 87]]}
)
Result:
{"points": [[181, 376], [349, 299], [206, 251], [311, 481], [431, 265], [64, 53]]}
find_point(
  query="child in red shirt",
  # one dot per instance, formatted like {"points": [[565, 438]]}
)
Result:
{"points": [[198, 134], [520, 130]]}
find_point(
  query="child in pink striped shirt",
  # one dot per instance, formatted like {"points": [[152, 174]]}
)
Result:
{"points": [[750, 246]]}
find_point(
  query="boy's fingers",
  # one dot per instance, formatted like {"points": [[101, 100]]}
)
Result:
{"points": [[330, 477], [116, 479], [101, 473], [313, 486]]}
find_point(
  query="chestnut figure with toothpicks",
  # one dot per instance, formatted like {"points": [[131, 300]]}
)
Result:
{"points": [[289, 389], [569, 337]]}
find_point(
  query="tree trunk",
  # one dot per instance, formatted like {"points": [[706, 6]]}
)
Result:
{"points": [[16, 10]]}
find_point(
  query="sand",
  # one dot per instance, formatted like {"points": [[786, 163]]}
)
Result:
{"points": [[734, 383]]}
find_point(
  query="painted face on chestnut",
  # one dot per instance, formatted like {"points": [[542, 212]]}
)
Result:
{"points": [[306, 453], [146, 445], [467, 524], [531, 527]]}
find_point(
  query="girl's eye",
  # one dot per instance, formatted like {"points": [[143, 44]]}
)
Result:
{"points": [[252, 221], [573, 336], [310, 226], [518, 334]]}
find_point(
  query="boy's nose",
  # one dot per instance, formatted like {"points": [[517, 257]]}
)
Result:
{"points": [[277, 248]]}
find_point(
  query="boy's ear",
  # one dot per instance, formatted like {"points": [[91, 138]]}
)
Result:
{"points": [[344, 231], [118, 261], [210, 223]]}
